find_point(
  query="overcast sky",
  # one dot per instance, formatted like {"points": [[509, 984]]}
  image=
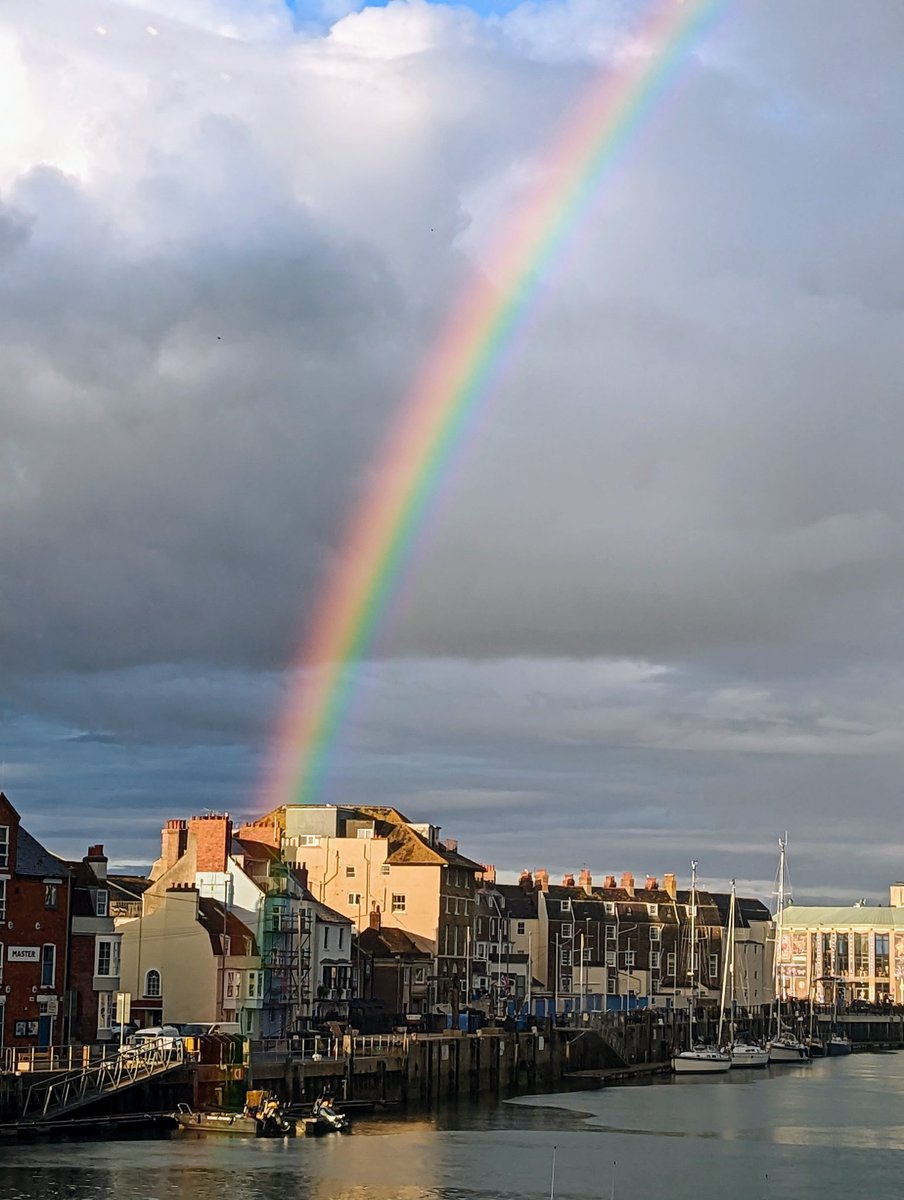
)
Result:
{"points": [[659, 612]]}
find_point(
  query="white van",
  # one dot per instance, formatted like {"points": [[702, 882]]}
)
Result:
{"points": [[165, 1036]]}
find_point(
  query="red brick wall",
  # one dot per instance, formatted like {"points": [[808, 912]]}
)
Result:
{"points": [[29, 923], [213, 838], [82, 952]]}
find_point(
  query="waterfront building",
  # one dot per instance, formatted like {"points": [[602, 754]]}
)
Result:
{"points": [[93, 952], [397, 971], [620, 946], [34, 934], [305, 973], [59, 950], [190, 959], [843, 953], [506, 922], [362, 859]]}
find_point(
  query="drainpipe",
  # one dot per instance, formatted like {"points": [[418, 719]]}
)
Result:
{"points": [[67, 992]]}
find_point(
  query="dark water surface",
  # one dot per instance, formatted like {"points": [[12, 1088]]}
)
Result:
{"points": [[834, 1129]]}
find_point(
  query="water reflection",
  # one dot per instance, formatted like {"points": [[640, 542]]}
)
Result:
{"points": [[833, 1130]]}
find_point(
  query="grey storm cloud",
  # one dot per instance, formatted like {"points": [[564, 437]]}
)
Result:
{"points": [[661, 588]]}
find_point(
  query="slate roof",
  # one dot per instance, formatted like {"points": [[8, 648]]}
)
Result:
{"points": [[747, 909], [519, 904], [390, 942], [33, 859], [212, 915], [127, 887]]}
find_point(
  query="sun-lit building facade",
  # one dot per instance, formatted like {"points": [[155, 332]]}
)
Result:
{"points": [[843, 954]]}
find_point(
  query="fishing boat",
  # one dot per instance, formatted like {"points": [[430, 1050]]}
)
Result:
{"points": [[742, 1052], [264, 1120], [699, 1058], [785, 1046]]}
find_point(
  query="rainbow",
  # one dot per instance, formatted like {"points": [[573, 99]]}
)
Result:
{"points": [[455, 384]]}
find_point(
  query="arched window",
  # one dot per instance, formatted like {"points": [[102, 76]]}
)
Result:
{"points": [[152, 983]]}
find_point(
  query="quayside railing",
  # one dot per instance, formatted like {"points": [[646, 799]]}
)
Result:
{"points": [[59, 1095]]}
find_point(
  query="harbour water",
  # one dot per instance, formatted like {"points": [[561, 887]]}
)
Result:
{"points": [[833, 1129]]}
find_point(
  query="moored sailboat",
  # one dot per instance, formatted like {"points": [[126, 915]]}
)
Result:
{"points": [[742, 1052], [700, 1058], [784, 1046]]}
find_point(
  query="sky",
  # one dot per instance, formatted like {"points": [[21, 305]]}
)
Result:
{"points": [[657, 615]]}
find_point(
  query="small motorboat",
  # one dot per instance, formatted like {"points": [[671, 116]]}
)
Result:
{"points": [[838, 1044], [261, 1119], [325, 1118]]}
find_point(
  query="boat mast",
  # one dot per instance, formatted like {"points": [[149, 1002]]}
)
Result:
{"points": [[693, 950], [780, 919], [728, 971]]}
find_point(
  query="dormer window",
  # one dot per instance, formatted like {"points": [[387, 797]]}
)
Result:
{"points": [[653, 910], [610, 908]]}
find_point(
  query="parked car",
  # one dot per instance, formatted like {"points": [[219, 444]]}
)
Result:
{"points": [[164, 1036]]}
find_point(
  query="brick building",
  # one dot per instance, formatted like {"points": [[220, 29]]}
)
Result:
{"points": [[94, 951], [34, 928]]}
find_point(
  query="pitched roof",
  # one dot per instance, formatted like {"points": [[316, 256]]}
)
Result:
{"points": [[218, 920], [520, 904], [391, 942], [33, 859], [127, 887]]}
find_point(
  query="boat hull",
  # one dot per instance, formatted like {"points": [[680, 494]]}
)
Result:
{"points": [[692, 1063], [838, 1049], [235, 1124], [779, 1054], [746, 1057]]}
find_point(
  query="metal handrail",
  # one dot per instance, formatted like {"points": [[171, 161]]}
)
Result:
{"points": [[54, 1096], [58, 1058]]}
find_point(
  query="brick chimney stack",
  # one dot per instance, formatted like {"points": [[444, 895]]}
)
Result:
{"points": [[302, 873], [585, 879], [609, 881], [670, 885], [541, 877], [652, 884], [97, 861], [526, 881], [627, 882], [568, 880], [173, 842], [375, 918], [489, 874], [213, 835]]}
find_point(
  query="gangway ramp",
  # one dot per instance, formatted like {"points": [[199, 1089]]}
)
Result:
{"points": [[60, 1094]]}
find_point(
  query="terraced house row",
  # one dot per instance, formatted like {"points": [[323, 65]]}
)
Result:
{"points": [[320, 914]]}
